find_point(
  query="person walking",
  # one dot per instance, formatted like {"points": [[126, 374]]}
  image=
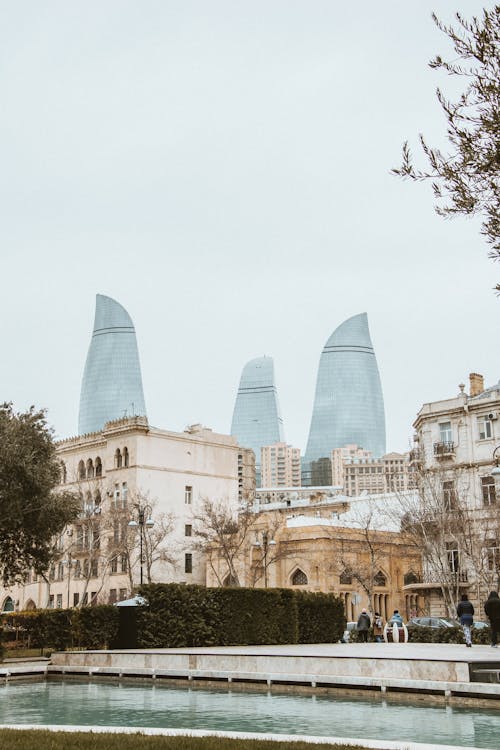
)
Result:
{"points": [[492, 609], [363, 625], [378, 628], [465, 613]]}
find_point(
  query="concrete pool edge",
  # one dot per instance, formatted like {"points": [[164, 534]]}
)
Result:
{"points": [[311, 739]]}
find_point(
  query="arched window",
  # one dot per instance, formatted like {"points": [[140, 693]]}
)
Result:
{"points": [[63, 476], [345, 578], [380, 579], [90, 469], [30, 604], [97, 502], [125, 456], [81, 470], [299, 578], [118, 459], [230, 581], [410, 578], [98, 467], [8, 605]]}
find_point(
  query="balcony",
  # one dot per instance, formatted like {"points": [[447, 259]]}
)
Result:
{"points": [[444, 450]]}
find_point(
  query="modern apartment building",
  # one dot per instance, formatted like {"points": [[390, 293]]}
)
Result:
{"points": [[357, 471], [280, 466]]}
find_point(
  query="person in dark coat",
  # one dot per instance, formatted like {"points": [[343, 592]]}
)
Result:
{"points": [[465, 613], [492, 609], [363, 625]]}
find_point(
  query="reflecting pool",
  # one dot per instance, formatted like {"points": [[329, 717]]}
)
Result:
{"points": [[126, 704]]}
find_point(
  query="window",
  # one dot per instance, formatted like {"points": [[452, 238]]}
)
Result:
{"points": [[112, 596], [98, 467], [188, 530], [90, 469], [488, 490], [116, 496], [81, 470], [449, 495], [118, 459], [85, 599], [60, 571], [63, 473], [124, 494], [114, 564], [51, 601], [188, 562], [93, 568], [188, 495], [380, 579], [52, 573], [125, 457], [76, 599], [299, 578], [93, 598], [453, 557], [59, 601], [345, 578], [78, 569], [493, 555], [445, 432], [485, 426], [123, 563], [123, 594]]}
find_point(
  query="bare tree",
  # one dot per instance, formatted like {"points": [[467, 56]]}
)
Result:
{"points": [[270, 546], [221, 533]]}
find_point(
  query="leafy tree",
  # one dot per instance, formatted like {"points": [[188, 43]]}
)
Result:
{"points": [[32, 513], [466, 180]]}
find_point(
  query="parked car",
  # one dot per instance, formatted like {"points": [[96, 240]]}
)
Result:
{"points": [[433, 622], [350, 626]]}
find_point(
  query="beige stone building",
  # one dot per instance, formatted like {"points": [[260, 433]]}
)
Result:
{"points": [[356, 471], [456, 452], [327, 542], [280, 466], [127, 468]]}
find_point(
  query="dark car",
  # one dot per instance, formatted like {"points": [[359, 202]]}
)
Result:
{"points": [[433, 622]]}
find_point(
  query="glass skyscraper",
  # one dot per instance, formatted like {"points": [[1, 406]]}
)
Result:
{"points": [[256, 418], [348, 405], [112, 383]]}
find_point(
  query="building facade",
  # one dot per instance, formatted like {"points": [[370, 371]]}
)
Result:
{"points": [[356, 471], [319, 540], [280, 466], [127, 467], [112, 382], [455, 455], [257, 417], [348, 404]]}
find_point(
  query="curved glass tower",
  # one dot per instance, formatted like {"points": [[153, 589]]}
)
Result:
{"points": [[256, 418], [348, 405], [112, 383]]}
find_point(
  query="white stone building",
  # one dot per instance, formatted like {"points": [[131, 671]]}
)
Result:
{"points": [[132, 464], [457, 444]]}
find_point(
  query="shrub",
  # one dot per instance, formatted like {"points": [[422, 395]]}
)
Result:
{"points": [[94, 627], [321, 617], [183, 616], [419, 634]]}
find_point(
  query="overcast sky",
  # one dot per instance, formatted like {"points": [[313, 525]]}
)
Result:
{"points": [[222, 170]]}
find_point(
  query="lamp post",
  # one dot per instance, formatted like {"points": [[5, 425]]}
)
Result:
{"points": [[265, 545], [142, 521]]}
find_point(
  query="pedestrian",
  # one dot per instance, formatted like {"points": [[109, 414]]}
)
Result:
{"points": [[465, 613], [492, 609], [396, 618], [378, 627], [363, 625]]}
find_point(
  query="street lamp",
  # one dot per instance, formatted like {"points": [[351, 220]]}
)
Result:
{"points": [[266, 544], [141, 522]]}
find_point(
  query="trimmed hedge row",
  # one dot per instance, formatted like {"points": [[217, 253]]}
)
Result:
{"points": [[88, 627], [184, 616], [420, 634]]}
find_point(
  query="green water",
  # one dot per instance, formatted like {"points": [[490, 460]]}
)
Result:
{"points": [[125, 704]]}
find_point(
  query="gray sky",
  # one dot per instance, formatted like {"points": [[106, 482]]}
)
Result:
{"points": [[222, 170]]}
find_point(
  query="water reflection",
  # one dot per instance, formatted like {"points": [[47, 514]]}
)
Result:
{"points": [[125, 704]]}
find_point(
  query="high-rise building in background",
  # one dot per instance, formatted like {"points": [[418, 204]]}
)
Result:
{"points": [[280, 466], [356, 471], [112, 383], [348, 405], [256, 418]]}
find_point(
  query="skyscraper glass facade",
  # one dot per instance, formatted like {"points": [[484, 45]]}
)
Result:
{"points": [[112, 382], [348, 405], [256, 418]]}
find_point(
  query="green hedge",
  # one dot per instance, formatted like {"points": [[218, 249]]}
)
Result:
{"points": [[420, 634], [89, 627], [184, 616]]}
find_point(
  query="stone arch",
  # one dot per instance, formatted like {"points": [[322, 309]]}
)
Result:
{"points": [[125, 457], [90, 469], [410, 577], [299, 578], [8, 604], [30, 604], [345, 578], [380, 579], [98, 467], [81, 470], [118, 459]]}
